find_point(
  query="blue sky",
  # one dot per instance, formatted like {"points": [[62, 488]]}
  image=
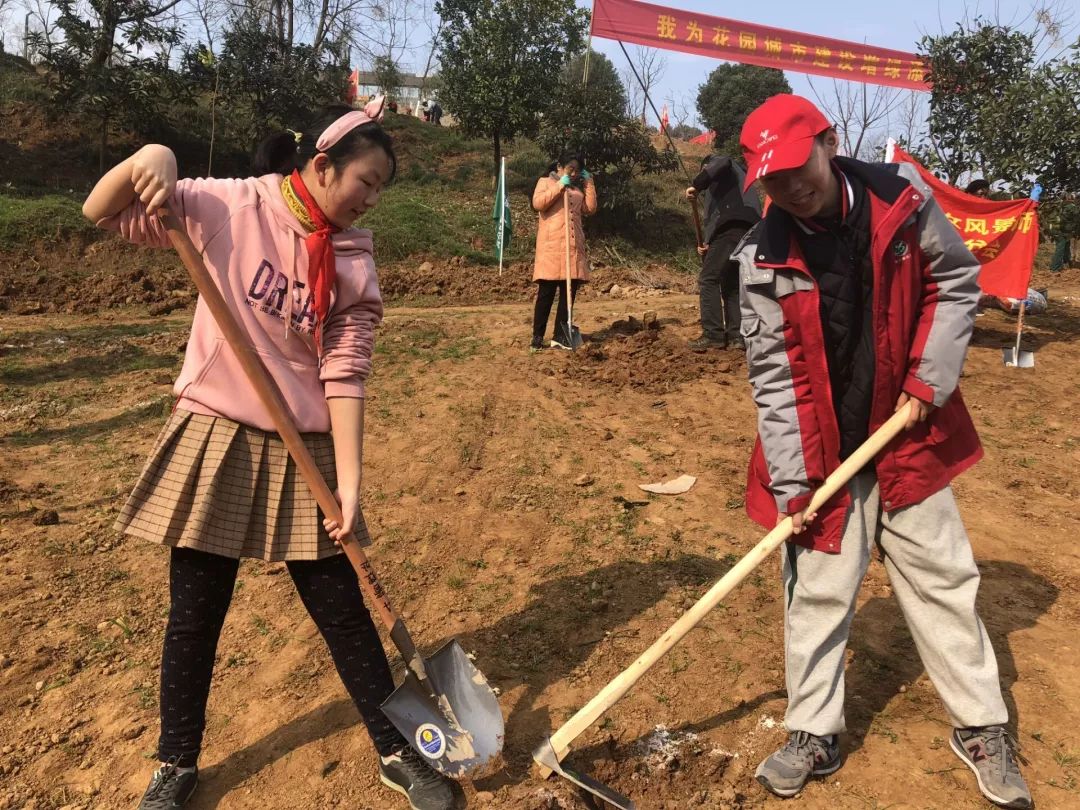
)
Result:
{"points": [[897, 25]]}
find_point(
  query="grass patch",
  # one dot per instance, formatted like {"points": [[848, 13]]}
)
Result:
{"points": [[118, 361], [29, 219], [147, 697], [428, 344], [423, 218]]}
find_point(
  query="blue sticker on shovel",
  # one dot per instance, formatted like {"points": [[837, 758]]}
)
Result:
{"points": [[430, 741]]}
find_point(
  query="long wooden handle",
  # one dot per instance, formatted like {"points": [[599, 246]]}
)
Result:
{"points": [[569, 283], [622, 683], [272, 400], [697, 222]]}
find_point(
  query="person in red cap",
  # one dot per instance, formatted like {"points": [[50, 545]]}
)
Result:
{"points": [[856, 297]]}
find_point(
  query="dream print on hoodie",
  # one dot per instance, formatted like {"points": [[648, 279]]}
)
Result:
{"points": [[269, 291]]}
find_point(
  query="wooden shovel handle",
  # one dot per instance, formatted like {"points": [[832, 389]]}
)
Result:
{"points": [[569, 276], [697, 222], [272, 400], [622, 683]]}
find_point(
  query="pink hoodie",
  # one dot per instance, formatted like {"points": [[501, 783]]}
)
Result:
{"points": [[253, 247]]}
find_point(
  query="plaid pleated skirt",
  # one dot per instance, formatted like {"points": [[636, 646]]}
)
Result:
{"points": [[215, 485]]}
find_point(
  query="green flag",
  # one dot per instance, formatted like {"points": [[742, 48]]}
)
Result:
{"points": [[501, 215]]}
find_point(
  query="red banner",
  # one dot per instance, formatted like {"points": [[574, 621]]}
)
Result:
{"points": [[1003, 235], [676, 30]]}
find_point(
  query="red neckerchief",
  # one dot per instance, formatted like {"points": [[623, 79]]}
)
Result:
{"points": [[322, 266]]}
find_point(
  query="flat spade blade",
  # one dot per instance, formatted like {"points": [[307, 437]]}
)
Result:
{"points": [[576, 340], [545, 755], [1017, 359], [453, 718]]}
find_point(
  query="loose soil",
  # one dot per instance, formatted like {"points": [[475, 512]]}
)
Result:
{"points": [[473, 451], [86, 276]]}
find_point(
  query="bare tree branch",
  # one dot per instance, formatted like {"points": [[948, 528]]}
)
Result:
{"points": [[861, 113]]}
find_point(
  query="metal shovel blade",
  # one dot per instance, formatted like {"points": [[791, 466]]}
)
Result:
{"points": [[452, 719], [546, 756], [1017, 359], [576, 340]]}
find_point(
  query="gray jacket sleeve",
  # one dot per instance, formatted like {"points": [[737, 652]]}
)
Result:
{"points": [[950, 297], [779, 425]]}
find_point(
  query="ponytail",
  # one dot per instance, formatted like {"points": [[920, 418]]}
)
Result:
{"points": [[277, 154]]}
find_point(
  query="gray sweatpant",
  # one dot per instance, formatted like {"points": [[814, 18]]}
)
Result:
{"points": [[933, 575]]}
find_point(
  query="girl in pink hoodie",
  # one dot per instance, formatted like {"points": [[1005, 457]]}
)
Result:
{"points": [[219, 484]]}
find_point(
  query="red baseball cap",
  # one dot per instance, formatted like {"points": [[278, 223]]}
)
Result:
{"points": [[779, 135]]}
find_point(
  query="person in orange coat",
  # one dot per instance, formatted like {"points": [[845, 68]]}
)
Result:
{"points": [[569, 181]]}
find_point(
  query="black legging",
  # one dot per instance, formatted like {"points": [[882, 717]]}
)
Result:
{"points": [[201, 587], [545, 295]]}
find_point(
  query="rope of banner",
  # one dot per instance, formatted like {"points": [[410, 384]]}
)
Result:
{"points": [[648, 98]]}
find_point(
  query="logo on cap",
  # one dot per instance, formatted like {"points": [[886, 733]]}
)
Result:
{"points": [[766, 138]]}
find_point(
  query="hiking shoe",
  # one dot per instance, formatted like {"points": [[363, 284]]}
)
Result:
{"points": [[170, 787], [991, 753], [537, 343], [737, 342], [802, 756], [409, 774], [704, 343]]}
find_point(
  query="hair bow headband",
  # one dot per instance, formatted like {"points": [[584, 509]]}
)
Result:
{"points": [[372, 112]]}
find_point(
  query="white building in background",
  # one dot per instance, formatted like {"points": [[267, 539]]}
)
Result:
{"points": [[407, 94]]}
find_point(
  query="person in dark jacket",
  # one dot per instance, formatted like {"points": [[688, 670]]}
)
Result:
{"points": [[729, 213], [978, 188], [858, 297]]}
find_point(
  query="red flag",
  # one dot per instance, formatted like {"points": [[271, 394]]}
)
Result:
{"points": [[663, 118], [1003, 235], [353, 88], [688, 31], [704, 137]]}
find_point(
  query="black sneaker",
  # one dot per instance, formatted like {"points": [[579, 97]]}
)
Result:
{"points": [[788, 770], [704, 343], [991, 754], [170, 787], [409, 774], [537, 343]]}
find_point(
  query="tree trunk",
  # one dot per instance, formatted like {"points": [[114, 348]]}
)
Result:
{"points": [[213, 120], [103, 46], [427, 67], [497, 144], [320, 31], [103, 144]]}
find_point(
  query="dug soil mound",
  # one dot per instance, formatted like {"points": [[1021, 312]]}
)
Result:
{"points": [[83, 276], [647, 356]]}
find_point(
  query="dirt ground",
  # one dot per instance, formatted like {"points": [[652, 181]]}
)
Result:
{"points": [[487, 531]]}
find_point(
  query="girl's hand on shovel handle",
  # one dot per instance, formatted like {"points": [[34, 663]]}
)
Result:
{"points": [[350, 508], [153, 175]]}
